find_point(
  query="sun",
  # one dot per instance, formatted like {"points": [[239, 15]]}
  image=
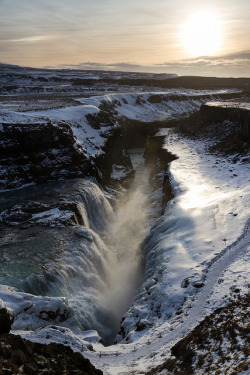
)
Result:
{"points": [[201, 34]]}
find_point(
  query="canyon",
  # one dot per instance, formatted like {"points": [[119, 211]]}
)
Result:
{"points": [[115, 207]]}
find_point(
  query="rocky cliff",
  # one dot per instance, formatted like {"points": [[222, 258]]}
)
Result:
{"points": [[20, 356], [39, 152], [231, 111], [159, 158]]}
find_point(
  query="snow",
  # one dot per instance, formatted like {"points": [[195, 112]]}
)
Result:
{"points": [[91, 138], [32, 312], [229, 104], [140, 106], [62, 335], [12, 117], [210, 206], [118, 172], [236, 276], [201, 240], [189, 241]]}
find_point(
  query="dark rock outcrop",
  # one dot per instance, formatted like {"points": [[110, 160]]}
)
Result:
{"points": [[226, 129], [159, 158], [47, 151], [219, 113], [19, 356], [38, 153], [6, 319], [135, 132], [114, 153]]}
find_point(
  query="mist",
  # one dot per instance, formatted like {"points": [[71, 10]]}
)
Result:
{"points": [[125, 236]]}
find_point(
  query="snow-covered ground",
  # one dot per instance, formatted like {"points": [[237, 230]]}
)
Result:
{"points": [[195, 252], [158, 106], [203, 236], [202, 239], [230, 104], [144, 107]]}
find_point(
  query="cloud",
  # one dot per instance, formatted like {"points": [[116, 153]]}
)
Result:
{"points": [[234, 56], [233, 65], [236, 65], [29, 39]]}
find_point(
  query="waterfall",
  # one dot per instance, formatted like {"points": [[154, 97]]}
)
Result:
{"points": [[109, 257], [94, 207], [97, 264]]}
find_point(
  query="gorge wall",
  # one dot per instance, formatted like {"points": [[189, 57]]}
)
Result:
{"points": [[46, 151], [228, 111]]}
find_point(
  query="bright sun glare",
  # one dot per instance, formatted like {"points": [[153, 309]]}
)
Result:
{"points": [[201, 34]]}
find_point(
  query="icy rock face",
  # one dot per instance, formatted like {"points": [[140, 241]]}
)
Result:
{"points": [[209, 207], [114, 154], [38, 150], [85, 139]]}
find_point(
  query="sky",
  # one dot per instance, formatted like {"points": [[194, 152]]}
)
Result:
{"points": [[187, 37]]}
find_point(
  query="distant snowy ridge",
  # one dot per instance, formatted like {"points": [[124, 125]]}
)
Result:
{"points": [[143, 107], [154, 106]]}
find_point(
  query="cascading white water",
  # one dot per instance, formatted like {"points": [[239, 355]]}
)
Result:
{"points": [[97, 264], [126, 233], [104, 269]]}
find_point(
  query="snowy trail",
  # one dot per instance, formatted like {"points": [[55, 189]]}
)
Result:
{"points": [[123, 359]]}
